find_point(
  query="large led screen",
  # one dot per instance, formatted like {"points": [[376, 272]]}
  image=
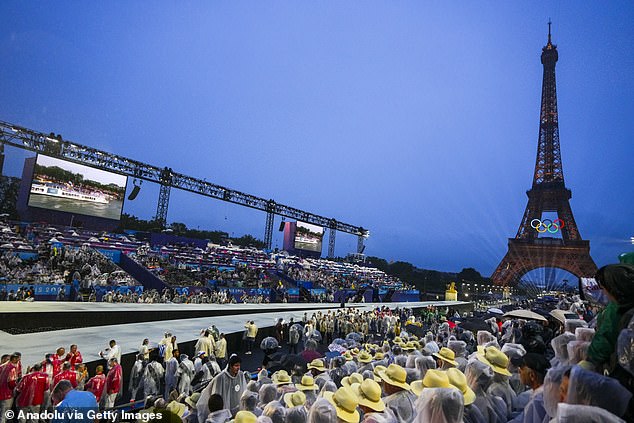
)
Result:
{"points": [[73, 188], [308, 237]]}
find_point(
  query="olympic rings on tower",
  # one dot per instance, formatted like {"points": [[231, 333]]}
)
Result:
{"points": [[547, 225]]}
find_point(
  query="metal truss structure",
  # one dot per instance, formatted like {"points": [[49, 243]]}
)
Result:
{"points": [[55, 146]]}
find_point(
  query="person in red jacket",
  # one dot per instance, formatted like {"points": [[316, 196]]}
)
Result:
{"points": [[66, 374], [8, 382], [32, 389], [97, 383], [74, 357], [113, 383]]}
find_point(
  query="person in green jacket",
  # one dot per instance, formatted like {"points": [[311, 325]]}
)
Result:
{"points": [[617, 282]]}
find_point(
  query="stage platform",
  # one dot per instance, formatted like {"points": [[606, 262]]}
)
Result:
{"points": [[94, 324]]}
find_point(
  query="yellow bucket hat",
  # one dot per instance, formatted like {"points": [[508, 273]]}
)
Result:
{"points": [[496, 359], [307, 384], [353, 378], [364, 357], [245, 417], [369, 394], [281, 377], [395, 375], [459, 380], [317, 364], [447, 355], [293, 399], [345, 402], [433, 379]]}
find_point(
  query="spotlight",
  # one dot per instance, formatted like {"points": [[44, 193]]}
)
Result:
{"points": [[135, 190]]}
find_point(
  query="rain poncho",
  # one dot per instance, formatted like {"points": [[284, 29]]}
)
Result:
{"points": [[500, 387], [479, 377], [460, 350], [297, 414], [171, 367], [276, 411], [423, 364], [384, 417], [560, 347], [572, 324], [185, 374], [472, 414], [589, 388], [402, 405], [322, 411], [577, 351], [534, 412], [568, 413], [625, 348], [552, 382], [152, 376], [267, 393], [439, 405], [230, 388], [485, 337], [329, 386], [220, 416], [136, 378], [249, 402], [584, 334]]}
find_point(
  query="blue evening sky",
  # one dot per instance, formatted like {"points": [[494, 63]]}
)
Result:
{"points": [[417, 120]]}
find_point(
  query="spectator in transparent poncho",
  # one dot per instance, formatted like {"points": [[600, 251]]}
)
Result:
{"points": [[554, 392], [322, 411], [276, 411], [479, 377], [267, 393], [533, 369], [484, 337], [589, 388], [249, 402], [560, 347], [329, 386], [439, 405], [567, 413], [297, 414], [577, 351], [430, 343], [460, 350], [584, 334], [423, 364], [308, 386], [515, 351]]}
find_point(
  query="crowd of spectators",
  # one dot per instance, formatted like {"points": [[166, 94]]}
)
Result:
{"points": [[334, 275], [185, 265]]}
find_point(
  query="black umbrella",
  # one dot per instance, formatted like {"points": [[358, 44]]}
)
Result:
{"points": [[474, 325], [413, 329]]}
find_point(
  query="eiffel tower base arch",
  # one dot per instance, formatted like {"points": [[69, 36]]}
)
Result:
{"points": [[524, 256]]}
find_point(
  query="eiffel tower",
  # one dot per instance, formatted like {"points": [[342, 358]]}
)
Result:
{"points": [[528, 251]]}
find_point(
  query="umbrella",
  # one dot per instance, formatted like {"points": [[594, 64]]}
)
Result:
{"points": [[413, 329], [495, 311], [315, 334], [563, 315], [475, 325], [525, 314], [269, 343], [354, 336]]}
